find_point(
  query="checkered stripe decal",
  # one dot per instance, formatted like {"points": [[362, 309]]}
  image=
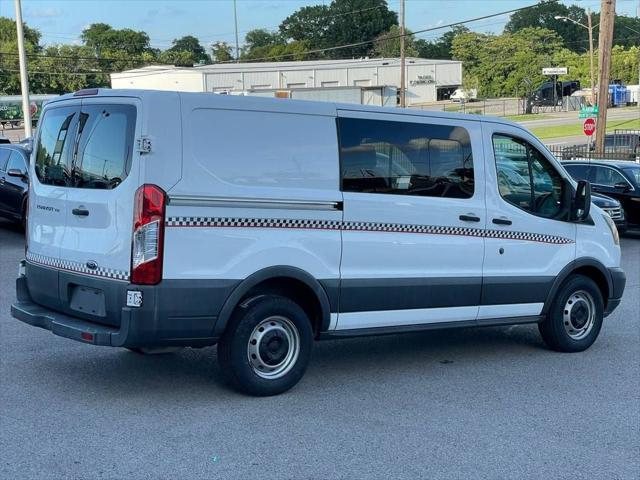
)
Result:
{"points": [[253, 223], [231, 222], [76, 267]]}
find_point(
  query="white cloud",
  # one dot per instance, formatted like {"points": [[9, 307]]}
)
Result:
{"points": [[47, 12]]}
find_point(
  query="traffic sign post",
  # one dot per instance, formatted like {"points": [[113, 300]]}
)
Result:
{"points": [[589, 127]]}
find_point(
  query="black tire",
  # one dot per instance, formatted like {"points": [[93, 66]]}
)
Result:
{"points": [[580, 293], [234, 348]]}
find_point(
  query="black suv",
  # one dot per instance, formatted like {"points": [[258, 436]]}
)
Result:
{"points": [[14, 183], [617, 179]]}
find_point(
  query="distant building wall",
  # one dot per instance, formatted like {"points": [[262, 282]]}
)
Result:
{"points": [[424, 77]]}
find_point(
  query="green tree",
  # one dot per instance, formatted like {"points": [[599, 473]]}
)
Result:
{"points": [[308, 24], [8, 32], [625, 63], [191, 45], [259, 42], [626, 31], [67, 68], [105, 39], [543, 16], [177, 58], [221, 52], [354, 21], [499, 64], [388, 44], [440, 48]]}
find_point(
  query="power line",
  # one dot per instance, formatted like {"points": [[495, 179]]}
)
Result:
{"points": [[392, 37]]}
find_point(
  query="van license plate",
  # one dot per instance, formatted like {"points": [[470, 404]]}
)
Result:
{"points": [[134, 298]]}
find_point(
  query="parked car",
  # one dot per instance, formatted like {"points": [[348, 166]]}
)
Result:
{"points": [[14, 182], [616, 179], [613, 207], [261, 225]]}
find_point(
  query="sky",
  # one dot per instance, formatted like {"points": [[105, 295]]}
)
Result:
{"points": [[62, 21]]}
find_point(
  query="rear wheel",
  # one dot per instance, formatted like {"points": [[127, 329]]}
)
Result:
{"points": [[267, 345], [575, 317]]}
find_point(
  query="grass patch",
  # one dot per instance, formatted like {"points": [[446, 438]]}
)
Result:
{"points": [[573, 129], [526, 117]]}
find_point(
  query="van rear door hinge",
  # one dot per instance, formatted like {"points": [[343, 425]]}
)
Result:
{"points": [[144, 144]]}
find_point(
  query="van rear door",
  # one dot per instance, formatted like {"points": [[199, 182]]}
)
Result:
{"points": [[100, 192], [49, 177]]}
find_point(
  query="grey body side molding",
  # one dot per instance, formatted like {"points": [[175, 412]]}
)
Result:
{"points": [[266, 274]]}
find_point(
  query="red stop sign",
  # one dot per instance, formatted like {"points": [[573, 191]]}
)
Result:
{"points": [[589, 126]]}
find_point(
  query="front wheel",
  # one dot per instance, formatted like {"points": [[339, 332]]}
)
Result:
{"points": [[575, 317], [266, 347]]}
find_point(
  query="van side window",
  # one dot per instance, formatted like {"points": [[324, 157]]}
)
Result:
{"points": [[405, 158], [527, 179]]}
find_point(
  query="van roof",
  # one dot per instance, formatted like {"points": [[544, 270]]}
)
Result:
{"points": [[291, 106]]}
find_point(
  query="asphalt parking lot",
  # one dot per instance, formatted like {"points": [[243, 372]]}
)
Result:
{"points": [[475, 403]]}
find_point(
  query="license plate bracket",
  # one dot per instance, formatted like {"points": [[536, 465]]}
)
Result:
{"points": [[88, 300]]}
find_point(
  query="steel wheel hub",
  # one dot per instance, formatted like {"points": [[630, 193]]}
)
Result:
{"points": [[274, 346], [579, 315]]}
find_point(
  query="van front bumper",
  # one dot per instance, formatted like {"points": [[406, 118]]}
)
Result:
{"points": [[171, 315], [618, 282]]}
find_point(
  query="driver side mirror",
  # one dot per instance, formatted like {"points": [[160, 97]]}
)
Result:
{"points": [[582, 201], [623, 186], [16, 172]]}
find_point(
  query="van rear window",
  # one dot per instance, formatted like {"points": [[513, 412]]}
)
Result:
{"points": [[88, 147]]}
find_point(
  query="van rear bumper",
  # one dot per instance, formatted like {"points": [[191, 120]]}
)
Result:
{"points": [[174, 313]]}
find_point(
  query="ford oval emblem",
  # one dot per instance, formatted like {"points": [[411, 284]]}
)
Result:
{"points": [[92, 265]]}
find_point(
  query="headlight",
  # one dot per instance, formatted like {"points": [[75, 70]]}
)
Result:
{"points": [[612, 227]]}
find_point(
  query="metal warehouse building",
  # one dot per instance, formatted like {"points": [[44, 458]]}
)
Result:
{"points": [[427, 80]]}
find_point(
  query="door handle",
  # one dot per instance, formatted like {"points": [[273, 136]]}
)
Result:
{"points": [[502, 221], [469, 218], [80, 212]]}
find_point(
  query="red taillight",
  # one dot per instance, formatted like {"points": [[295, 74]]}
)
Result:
{"points": [[148, 235]]}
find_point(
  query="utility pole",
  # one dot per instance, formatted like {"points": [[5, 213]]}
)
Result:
{"points": [[24, 80], [403, 102], [607, 17], [593, 82], [235, 20]]}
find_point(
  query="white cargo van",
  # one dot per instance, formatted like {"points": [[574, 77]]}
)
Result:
{"points": [[163, 219], [464, 95]]}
